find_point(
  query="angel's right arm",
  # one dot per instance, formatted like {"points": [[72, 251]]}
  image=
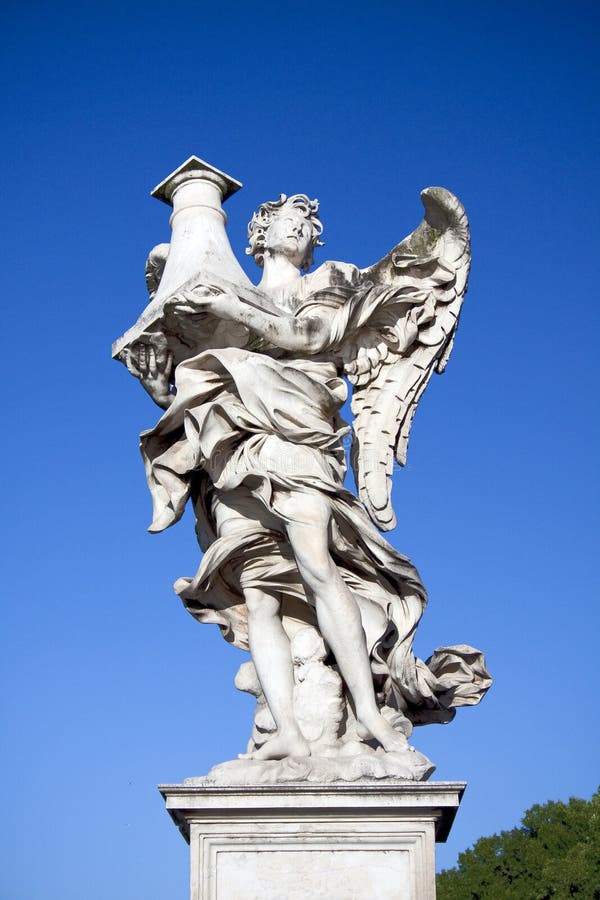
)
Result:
{"points": [[152, 365]]}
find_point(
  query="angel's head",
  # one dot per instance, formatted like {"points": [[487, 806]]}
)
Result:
{"points": [[289, 226]]}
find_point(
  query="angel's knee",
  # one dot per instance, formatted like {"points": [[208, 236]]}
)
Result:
{"points": [[310, 549], [260, 605]]}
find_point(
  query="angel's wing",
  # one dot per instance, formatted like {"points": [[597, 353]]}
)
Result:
{"points": [[410, 335]]}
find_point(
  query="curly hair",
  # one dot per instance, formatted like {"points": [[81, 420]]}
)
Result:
{"points": [[262, 218]]}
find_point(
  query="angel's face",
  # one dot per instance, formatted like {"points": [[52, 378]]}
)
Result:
{"points": [[289, 234]]}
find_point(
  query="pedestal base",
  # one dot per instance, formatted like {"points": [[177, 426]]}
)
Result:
{"points": [[344, 841]]}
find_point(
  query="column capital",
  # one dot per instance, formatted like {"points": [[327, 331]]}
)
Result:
{"points": [[190, 170]]}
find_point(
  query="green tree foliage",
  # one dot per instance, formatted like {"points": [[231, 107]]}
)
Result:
{"points": [[554, 854]]}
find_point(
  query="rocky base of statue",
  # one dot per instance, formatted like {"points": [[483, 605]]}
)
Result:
{"points": [[366, 764], [326, 721], [308, 841], [410, 765]]}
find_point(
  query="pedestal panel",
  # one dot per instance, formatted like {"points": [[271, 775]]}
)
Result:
{"points": [[305, 841]]}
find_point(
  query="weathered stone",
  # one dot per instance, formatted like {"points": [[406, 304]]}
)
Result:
{"points": [[252, 382], [342, 842]]}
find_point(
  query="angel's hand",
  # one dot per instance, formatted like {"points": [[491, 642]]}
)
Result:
{"points": [[151, 361], [206, 299]]}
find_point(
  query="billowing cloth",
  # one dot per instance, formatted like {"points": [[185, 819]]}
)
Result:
{"points": [[243, 431]]}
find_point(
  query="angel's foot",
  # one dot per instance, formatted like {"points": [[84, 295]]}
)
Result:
{"points": [[282, 745], [375, 726]]}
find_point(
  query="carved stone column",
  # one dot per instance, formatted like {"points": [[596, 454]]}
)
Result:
{"points": [[199, 251], [305, 841], [199, 242]]}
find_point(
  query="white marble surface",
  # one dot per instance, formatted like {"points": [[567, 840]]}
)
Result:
{"points": [[314, 841], [252, 381]]}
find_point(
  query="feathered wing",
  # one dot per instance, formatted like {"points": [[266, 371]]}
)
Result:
{"points": [[407, 338]]}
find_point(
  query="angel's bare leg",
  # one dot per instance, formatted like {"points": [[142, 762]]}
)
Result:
{"points": [[269, 644], [337, 611], [272, 659]]}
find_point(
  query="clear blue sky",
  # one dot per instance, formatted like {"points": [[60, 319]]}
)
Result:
{"points": [[110, 687]]}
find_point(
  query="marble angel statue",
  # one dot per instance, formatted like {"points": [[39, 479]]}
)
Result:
{"points": [[253, 437]]}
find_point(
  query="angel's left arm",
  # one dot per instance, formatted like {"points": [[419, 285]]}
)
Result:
{"points": [[305, 334]]}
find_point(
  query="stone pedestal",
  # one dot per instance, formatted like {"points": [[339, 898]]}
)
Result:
{"points": [[343, 841]]}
